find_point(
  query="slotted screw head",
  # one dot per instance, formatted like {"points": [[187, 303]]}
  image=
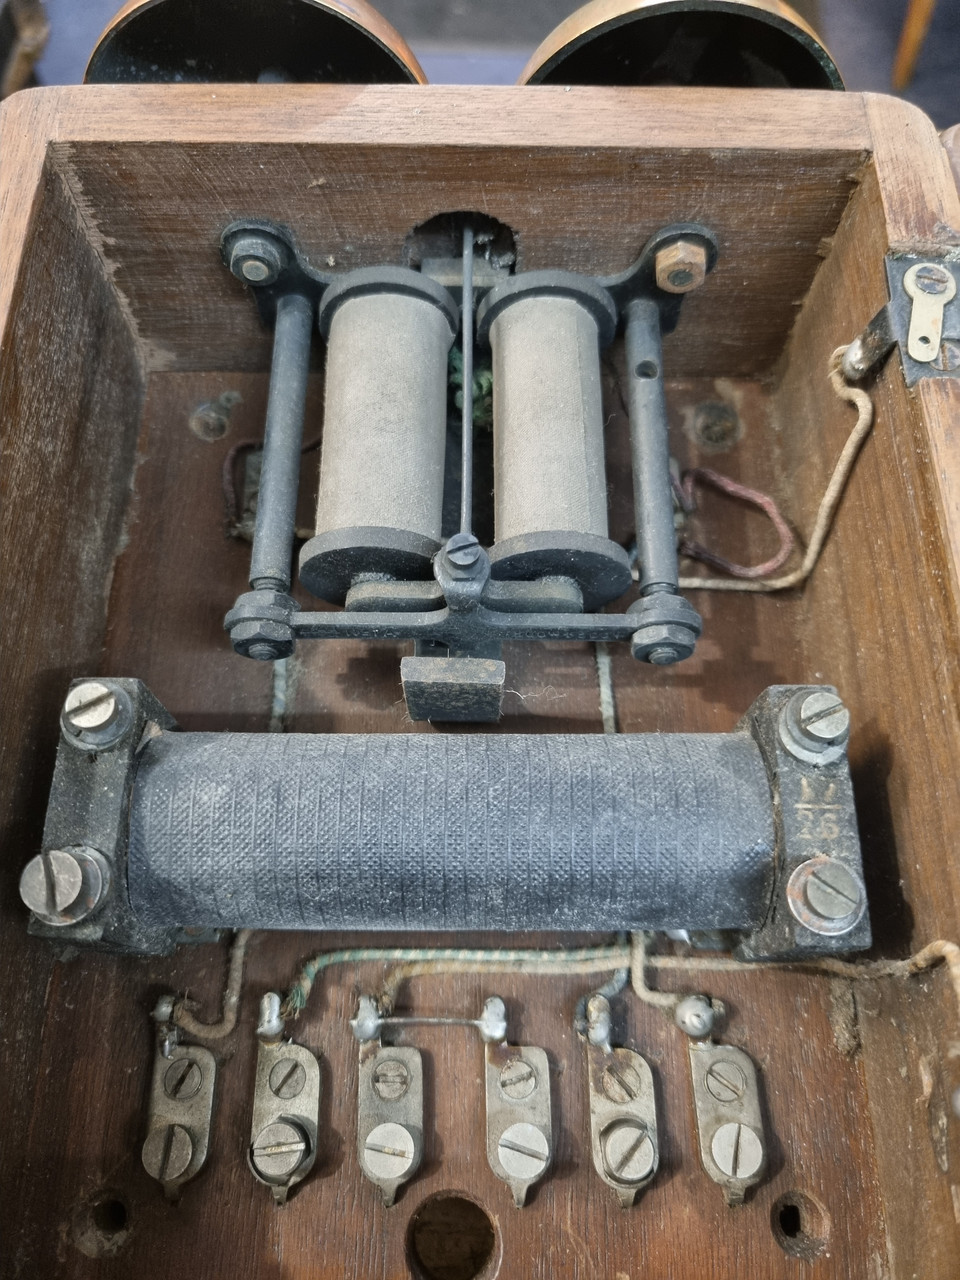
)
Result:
{"points": [[620, 1082], [167, 1152], [517, 1079], [826, 896], [932, 278], [388, 1151], [287, 1078], [51, 882], [737, 1150], [278, 1151], [628, 1151], [391, 1079], [63, 886], [523, 1151], [831, 890], [824, 718], [725, 1081], [183, 1079], [90, 705], [463, 550]]}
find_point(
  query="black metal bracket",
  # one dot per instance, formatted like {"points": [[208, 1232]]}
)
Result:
{"points": [[891, 326], [464, 613]]}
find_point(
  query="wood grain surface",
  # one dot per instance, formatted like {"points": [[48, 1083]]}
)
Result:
{"points": [[119, 322]]}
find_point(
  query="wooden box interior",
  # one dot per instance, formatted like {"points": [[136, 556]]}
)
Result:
{"points": [[118, 320]]}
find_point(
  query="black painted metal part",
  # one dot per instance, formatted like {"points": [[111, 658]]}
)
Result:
{"points": [[377, 548], [497, 832]]}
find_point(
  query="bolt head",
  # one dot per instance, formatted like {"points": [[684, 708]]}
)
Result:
{"points": [[695, 1017], [518, 1079], [278, 1151], [391, 1079], [389, 1152], [628, 1151], [63, 886], [620, 1082], [681, 266], [257, 259], [183, 1079], [167, 1152], [737, 1151], [523, 1151], [955, 1101], [826, 897]]}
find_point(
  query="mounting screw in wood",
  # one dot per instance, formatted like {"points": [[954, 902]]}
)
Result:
{"points": [[628, 1151], [389, 1152], [167, 1152], [279, 1150], [737, 1150], [523, 1151]]}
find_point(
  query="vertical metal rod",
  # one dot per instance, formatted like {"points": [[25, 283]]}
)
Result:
{"points": [[466, 434], [283, 436], [650, 450]]}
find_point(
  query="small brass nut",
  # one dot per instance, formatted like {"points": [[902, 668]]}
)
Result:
{"points": [[681, 266]]}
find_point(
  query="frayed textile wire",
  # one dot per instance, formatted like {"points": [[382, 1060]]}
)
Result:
{"points": [[828, 503], [183, 1016], [415, 962], [934, 953]]}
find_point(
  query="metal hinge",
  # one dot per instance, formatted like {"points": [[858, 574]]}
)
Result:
{"points": [[922, 318]]}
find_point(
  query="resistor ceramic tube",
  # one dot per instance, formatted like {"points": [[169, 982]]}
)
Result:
{"points": [[546, 330], [380, 496]]}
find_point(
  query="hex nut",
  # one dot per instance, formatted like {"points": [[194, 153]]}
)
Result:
{"points": [[262, 639], [681, 266]]}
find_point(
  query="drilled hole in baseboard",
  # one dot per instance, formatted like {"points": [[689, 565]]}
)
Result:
{"points": [[801, 1225], [452, 1238]]}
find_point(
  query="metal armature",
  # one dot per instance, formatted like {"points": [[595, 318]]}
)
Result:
{"points": [[380, 548]]}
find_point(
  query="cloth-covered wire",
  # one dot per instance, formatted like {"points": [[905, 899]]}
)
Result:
{"points": [[186, 1020], [828, 503], [415, 962]]}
